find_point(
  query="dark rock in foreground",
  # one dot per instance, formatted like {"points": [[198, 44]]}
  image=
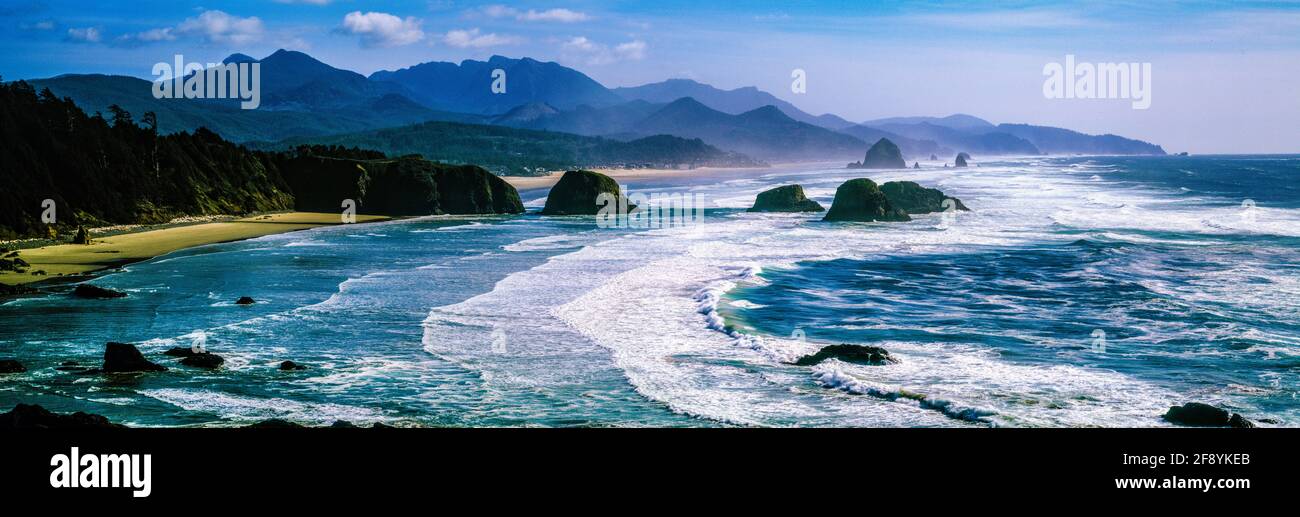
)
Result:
{"points": [[343, 424], [92, 291], [290, 365], [861, 200], [1197, 414], [15, 290], [789, 198], [884, 154], [912, 198], [30, 416], [274, 423], [206, 360], [126, 358], [11, 366], [245, 300], [577, 193], [856, 354], [962, 158]]}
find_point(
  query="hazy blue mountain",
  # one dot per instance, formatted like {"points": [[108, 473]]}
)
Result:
{"points": [[734, 102], [467, 87], [295, 81], [507, 150], [616, 120], [1053, 140], [976, 142], [912, 148], [764, 133], [957, 121]]}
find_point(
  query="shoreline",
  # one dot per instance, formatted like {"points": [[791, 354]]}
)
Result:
{"points": [[65, 263]]}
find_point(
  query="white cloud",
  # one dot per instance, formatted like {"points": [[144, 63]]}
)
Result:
{"points": [[593, 53], [383, 29], [471, 38], [85, 35], [532, 15], [149, 36], [219, 27]]}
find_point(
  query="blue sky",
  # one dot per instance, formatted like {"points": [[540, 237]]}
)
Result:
{"points": [[1225, 74]]}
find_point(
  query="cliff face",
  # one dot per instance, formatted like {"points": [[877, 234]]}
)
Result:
{"points": [[407, 186]]}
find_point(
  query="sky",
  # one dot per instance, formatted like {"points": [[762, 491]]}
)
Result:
{"points": [[1225, 76]]}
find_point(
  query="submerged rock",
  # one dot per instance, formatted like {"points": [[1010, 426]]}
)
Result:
{"points": [[884, 154], [11, 366], [205, 360], [1197, 414], [92, 291], [861, 200], [577, 193], [31, 416], [245, 300], [789, 198], [856, 354], [126, 358], [962, 158], [912, 198], [290, 365]]}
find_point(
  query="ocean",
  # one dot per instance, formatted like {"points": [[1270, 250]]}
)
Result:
{"points": [[1079, 291]]}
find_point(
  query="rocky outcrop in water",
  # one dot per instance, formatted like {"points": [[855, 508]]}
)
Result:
{"points": [[912, 198], [245, 300], [856, 354], [126, 358], [961, 159], [96, 292], [1196, 414], [31, 416], [788, 198], [861, 200], [289, 366], [577, 193], [11, 366], [205, 360], [884, 154]]}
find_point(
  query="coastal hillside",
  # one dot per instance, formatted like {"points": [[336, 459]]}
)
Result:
{"points": [[512, 151], [101, 170], [120, 170]]}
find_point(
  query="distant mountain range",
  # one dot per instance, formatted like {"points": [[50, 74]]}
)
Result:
{"points": [[303, 99]]}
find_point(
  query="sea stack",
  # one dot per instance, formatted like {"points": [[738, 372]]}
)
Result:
{"points": [[861, 200], [912, 198], [882, 155], [961, 159], [933, 157], [788, 198], [577, 193], [126, 358]]}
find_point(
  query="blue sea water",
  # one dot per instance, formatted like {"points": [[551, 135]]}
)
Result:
{"points": [[1082, 291]]}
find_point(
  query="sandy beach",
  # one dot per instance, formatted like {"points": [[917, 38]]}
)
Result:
{"points": [[116, 250]]}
